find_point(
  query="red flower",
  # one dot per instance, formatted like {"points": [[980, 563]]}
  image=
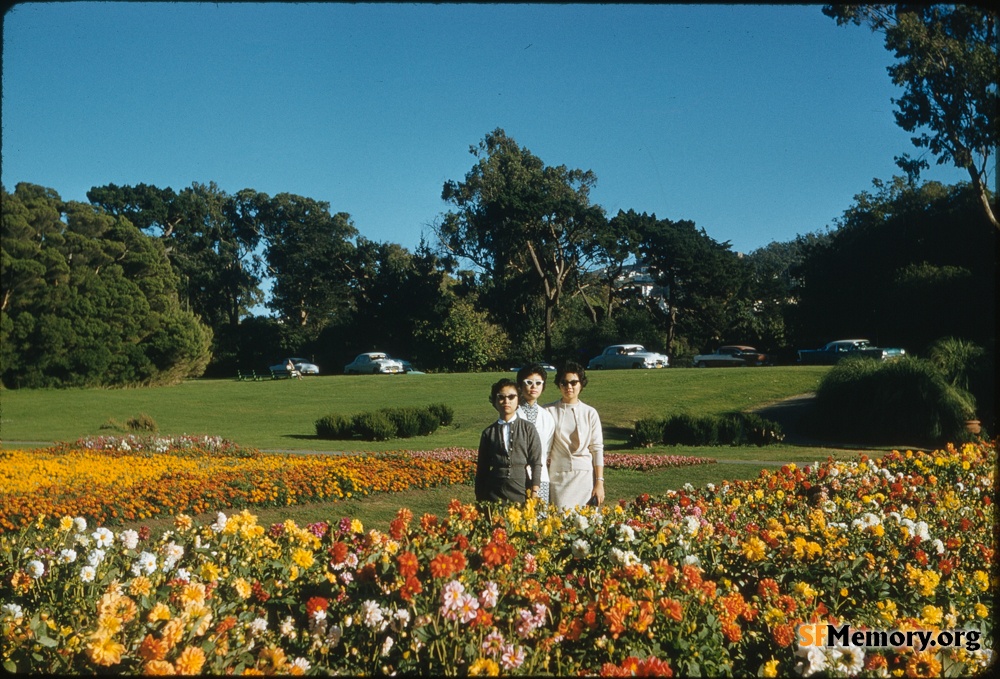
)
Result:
{"points": [[783, 634], [767, 588], [410, 588], [338, 552], [653, 667], [672, 609], [408, 564], [316, 603], [397, 529]]}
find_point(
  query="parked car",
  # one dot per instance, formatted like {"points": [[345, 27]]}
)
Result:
{"points": [[373, 363], [627, 356], [547, 366], [834, 352], [302, 365], [731, 355]]}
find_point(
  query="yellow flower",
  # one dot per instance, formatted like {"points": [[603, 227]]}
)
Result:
{"points": [[158, 668], [65, 523], [357, 527], [931, 616], [193, 593], [183, 522], [190, 661], [981, 610], [303, 557], [159, 612], [770, 668], [754, 548], [173, 632], [108, 625], [105, 651], [140, 586], [780, 495], [209, 571], [484, 667], [293, 572], [242, 587], [982, 580], [805, 590], [887, 611]]}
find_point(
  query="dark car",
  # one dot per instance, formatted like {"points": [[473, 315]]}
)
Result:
{"points": [[731, 355]]}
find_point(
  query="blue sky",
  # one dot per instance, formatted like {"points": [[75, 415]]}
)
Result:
{"points": [[757, 122]]}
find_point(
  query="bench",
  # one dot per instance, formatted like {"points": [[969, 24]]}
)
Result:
{"points": [[247, 377]]}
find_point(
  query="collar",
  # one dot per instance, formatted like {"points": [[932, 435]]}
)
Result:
{"points": [[511, 421]]}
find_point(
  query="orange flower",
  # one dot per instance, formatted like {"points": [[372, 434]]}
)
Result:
{"points": [[104, 650], [411, 587], [408, 564], [152, 648], [190, 660], [316, 603], [672, 609], [784, 634], [158, 668], [923, 664]]}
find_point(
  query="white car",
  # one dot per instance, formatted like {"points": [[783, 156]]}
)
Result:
{"points": [[627, 356], [373, 363], [302, 365]]}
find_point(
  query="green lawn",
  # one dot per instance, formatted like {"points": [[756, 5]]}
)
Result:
{"points": [[280, 414]]}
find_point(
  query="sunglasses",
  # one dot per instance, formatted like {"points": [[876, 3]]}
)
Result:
{"points": [[506, 397], [569, 383], [533, 383]]}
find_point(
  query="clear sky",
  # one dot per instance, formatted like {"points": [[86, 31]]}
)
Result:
{"points": [[757, 122]]}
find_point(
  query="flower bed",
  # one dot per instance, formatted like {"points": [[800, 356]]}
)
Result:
{"points": [[111, 479], [711, 582]]}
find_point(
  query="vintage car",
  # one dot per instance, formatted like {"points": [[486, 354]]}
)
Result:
{"points": [[373, 363], [731, 355], [834, 352], [627, 356], [302, 365]]}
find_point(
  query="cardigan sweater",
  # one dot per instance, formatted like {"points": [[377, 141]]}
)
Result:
{"points": [[501, 475]]}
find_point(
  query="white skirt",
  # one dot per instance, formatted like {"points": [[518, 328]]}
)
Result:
{"points": [[571, 488]]}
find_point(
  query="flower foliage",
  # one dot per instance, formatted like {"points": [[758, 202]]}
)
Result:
{"points": [[711, 582]]}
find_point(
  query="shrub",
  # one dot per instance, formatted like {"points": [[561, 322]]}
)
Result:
{"points": [[405, 421], [734, 429], [899, 402], [374, 426], [647, 433], [429, 421], [444, 413], [338, 427], [142, 422]]}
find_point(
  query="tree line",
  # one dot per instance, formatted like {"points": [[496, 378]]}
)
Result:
{"points": [[149, 285]]}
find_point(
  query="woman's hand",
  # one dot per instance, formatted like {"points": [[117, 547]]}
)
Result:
{"points": [[598, 491]]}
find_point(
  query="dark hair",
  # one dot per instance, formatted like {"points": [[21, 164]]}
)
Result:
{"points": [[572, 367], [533, 369], [500, 384]]}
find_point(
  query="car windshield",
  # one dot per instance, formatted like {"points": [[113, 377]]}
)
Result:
{"points": [[378, 357]]}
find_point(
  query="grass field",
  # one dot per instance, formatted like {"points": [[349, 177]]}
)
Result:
{"points": [[280, 414]]}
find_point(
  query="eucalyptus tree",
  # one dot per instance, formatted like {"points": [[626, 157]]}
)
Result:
{"points": [[947, 66], [527, 227], [698, 279], [309, 256]]}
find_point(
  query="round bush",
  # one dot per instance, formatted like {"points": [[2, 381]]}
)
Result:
{"points": [[428, 421], [374, 426], [337, 427], [444, 413], [647, 433], [405, 420]]}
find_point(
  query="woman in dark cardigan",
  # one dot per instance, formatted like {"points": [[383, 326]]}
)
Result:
{"points": [[507, 449]]}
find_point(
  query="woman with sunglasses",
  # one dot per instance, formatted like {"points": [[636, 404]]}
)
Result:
{"points": [[507, 449], [576, 458], [531, 384]]}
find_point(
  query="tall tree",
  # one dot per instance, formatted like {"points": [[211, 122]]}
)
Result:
{"points": [[948, 65], [698, 278], [524, 225], [309, 256], [99, 308]]}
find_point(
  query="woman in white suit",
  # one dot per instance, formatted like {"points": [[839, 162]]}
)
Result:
{"points": [[531, 384], [576, 457]]}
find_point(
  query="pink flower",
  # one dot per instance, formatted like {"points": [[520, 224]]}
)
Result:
{"points": [[493, 644], [467, 608], [488, 597], [512, 657]]}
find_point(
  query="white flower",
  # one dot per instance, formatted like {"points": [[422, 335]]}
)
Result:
{"points": [[302, 664], [183, 574], [172, 554], [626, 533], [581, 522], [259, 625], [692, 524], [88, 573], [850, 661], [691, 560], [580, 548], [451, 595], [67, 556], [103, 537], [287, 627], [146, 563], [80, 524], [129, 538], [220, 523], [96, 557], [36, 568], [387, 645], [334, 634], [403, 616], [372, 613], [816, 660], [922, 530], [937, 545], [489, 596], [689, 488], [13, 610]]}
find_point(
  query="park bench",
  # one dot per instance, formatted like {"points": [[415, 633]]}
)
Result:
{"points": [[248, 377]]}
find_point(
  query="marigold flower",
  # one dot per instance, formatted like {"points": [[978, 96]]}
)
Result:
{"points": [[923, 664], [104, 650], [152, 648], [190, 661], [158, 668]]}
